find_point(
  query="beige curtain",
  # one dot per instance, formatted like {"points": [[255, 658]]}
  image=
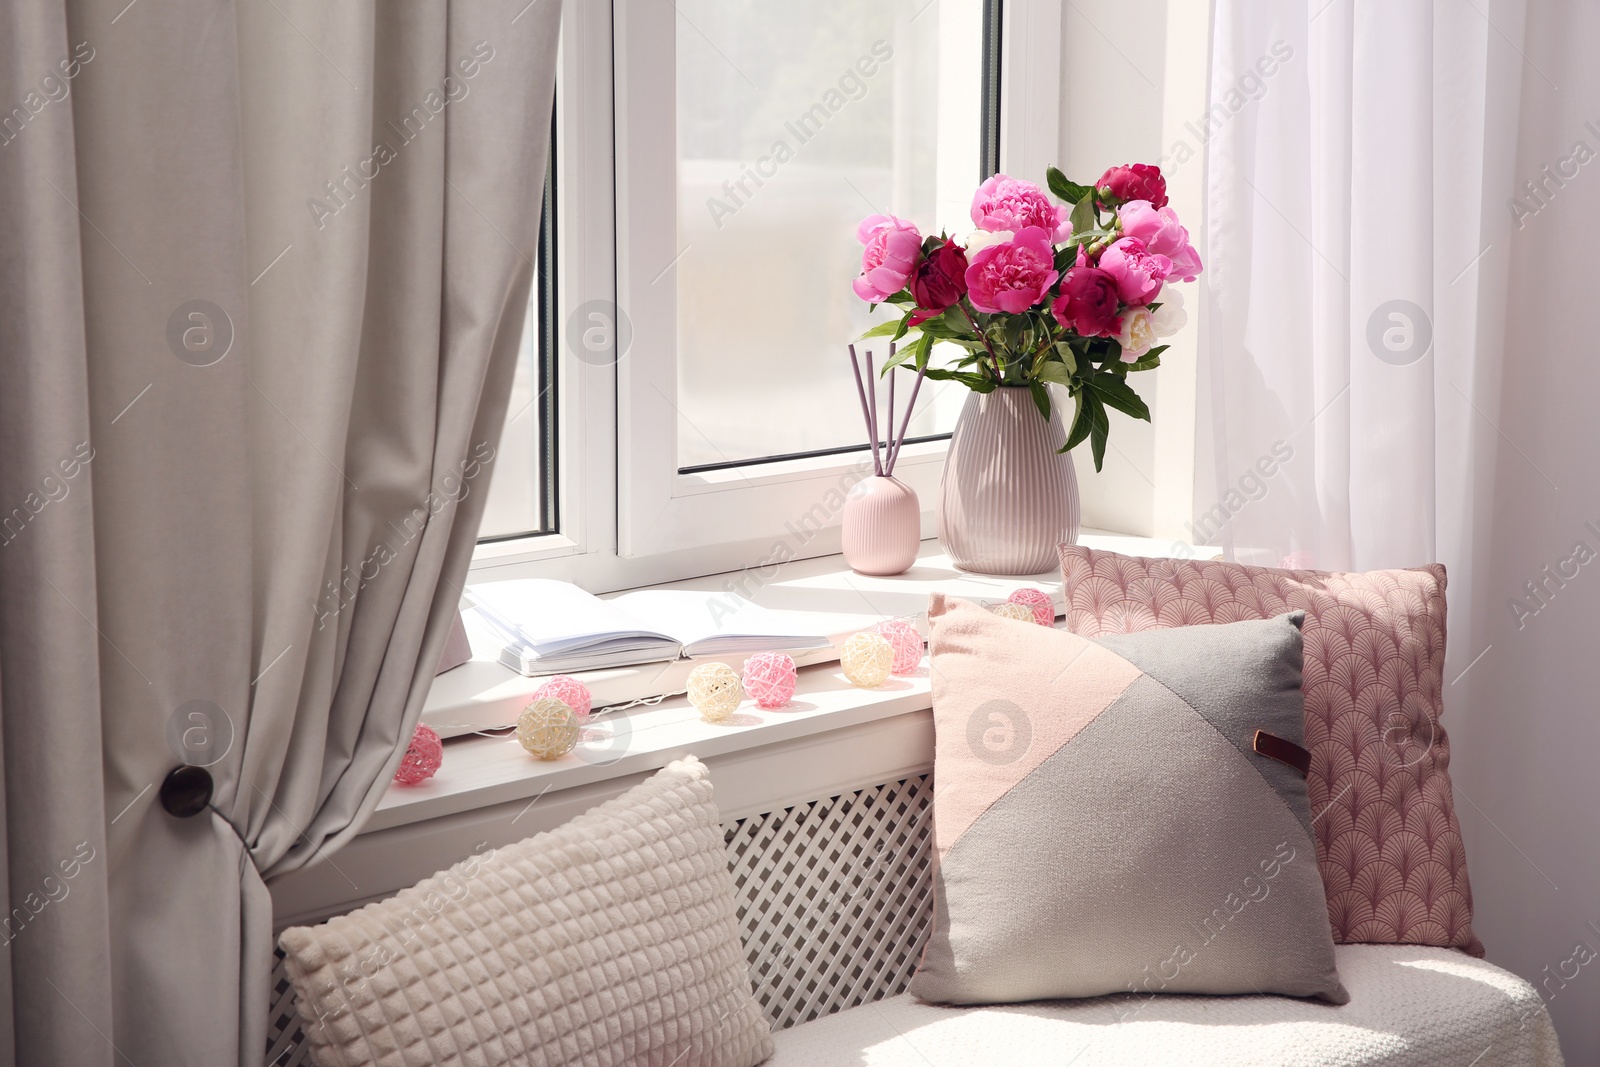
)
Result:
{"points": [[262, 276]]}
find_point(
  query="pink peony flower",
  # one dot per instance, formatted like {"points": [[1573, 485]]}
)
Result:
{"points": [[1015, 275], [1139, 273], [1135, 181], [1005, 204], [893, 246], [1088, 300], [1163, 234]]}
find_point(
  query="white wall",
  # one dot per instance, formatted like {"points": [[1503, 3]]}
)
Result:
{"points": [[1131, 76]]}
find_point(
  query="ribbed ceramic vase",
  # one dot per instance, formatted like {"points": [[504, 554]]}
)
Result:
{"points": [[882, 526], [1007, 498]]}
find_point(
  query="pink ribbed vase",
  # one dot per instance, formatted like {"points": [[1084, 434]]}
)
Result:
{"points": [[1007, 498], [882, 526]]}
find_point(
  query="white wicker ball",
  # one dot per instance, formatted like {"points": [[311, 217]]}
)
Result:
{"points": [[547, 728], [1019, 612], [866, 659], [715, 691]]}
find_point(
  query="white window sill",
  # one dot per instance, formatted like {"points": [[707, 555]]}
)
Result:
{"points": [[485, 770]]}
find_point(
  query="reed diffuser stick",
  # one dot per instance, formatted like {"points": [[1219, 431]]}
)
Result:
{"points": [[905, 423], [861, 394], [872, 413], [888, 467]]}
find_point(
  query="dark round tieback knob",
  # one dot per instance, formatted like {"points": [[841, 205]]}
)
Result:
{"points": [[186, 791]]}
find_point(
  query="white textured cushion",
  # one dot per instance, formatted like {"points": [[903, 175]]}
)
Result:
{"points": [[611, 940], [1410, 1006]]}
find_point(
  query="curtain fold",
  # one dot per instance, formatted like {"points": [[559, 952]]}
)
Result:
{"points": [[277, 291]]}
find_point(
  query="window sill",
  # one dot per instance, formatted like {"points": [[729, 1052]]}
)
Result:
{"points": [[484, 694]]}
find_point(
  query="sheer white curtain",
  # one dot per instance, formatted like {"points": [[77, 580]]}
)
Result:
{"points": [[1400, 290]]}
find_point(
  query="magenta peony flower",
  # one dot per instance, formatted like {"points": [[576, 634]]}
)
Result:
{"points": [[893, 246], [1139, 273], [1162, 234], [1014, 275], [1088, 301], [1135, 181], [1004, 204], [940, 279]]}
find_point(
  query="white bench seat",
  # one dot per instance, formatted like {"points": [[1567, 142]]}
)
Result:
{"points": [[1409, 1007]]}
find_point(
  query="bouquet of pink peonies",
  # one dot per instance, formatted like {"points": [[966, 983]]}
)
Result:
{"points": [[1040, 292]]}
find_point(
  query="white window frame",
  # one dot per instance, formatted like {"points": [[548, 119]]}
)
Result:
{"points": [[627, 517]]}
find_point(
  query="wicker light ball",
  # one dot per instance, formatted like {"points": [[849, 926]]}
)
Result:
{"points": [[571, 692], [548, 729], [422, 757], [905, 641], [714, 690], [1044, 609], [866, 659], [1019, 612], [769, 678]]}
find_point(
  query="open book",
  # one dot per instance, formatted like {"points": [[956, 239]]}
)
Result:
{"points": [[552, 627]]}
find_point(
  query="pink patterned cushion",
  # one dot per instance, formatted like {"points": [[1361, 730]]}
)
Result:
{"points": [[1387, 838]]}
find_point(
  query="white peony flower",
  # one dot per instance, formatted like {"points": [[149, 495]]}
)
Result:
{"points": [[1170, 317], [1138, 333], [978, 240]]}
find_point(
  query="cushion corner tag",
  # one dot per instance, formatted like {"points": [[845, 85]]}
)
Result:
{"points": [[1285, 752]]}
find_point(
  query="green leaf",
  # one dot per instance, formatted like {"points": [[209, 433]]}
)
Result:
{"points": [[976, 382], [1041, 398], [905, 324], [1069, 359], [1083, 215], [1082, 422], [1063, 187], [969, 344], [902, 297], [1052, 370], [1097, 435], [1149, 361], [1145, 362], [924, 351], [901, 354], [1120, 395], [884, 329]]}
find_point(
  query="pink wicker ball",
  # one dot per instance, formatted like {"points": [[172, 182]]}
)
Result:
{"points": [[905, 641], [1044, 609], [422, 757], [769, 679], [571, 692]]}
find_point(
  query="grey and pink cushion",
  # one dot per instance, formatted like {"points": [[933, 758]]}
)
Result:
{"points": [[1387, 837], [1105, 820]]}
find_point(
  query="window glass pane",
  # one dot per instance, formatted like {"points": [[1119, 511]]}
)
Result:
{"points": [[794, 122], [517, 485]]}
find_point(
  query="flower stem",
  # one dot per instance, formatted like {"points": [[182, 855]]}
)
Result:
{"points": [[999, 369]]}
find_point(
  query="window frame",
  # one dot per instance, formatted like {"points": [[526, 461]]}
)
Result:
{"points": [[628, 515]]}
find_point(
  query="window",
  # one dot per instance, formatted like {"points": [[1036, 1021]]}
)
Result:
{"points": [[713, 158]]}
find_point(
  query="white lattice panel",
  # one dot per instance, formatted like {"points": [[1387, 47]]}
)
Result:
{"points": [[835, 902], [835, 898]]}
